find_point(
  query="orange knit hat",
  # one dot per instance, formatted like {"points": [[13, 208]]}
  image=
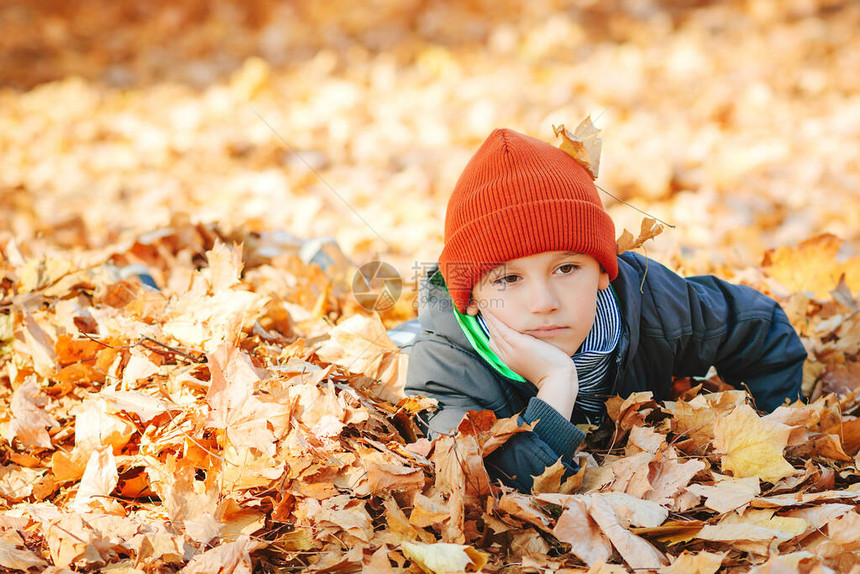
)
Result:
{"points": [[519, 196]]}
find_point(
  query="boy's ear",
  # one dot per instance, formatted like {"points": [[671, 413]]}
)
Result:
{"points": [[472, 308], [603, 282]]}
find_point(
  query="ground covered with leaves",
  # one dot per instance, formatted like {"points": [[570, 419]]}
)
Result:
{"points": [[247, 414]]}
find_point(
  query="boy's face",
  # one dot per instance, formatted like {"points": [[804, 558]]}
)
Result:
{"points": [[551, 296]]}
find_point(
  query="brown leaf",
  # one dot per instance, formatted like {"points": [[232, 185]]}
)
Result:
{"points": [[694, 563], [361, 345], [99, 479], [636, 552], [650, 229], [583, 145], [578, 529], [695, 418], [386, 476], [16, 482]]}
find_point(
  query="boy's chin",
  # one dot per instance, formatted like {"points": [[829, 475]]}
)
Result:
{"points": [[569, 349]]}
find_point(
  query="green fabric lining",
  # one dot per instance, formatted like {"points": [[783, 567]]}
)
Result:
{"points": [[475, 336]]}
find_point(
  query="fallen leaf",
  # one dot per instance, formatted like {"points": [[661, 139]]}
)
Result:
{"points": [[650, 229], [728, 494], [578, 529], [441, 557], [99, 479], [694, 563], [751, 445], [30, 422], [812, 266], [230, 558], [553, 480], [636, 551], [583, 145], [15, 558]]}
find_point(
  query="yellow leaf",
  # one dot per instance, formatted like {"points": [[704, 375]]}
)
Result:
{"points": [[583, 145], [443, 557], [752, 446], [552, 480], [812, 266]]}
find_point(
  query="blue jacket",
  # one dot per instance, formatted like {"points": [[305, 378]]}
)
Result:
{"points": [[672, 327]]}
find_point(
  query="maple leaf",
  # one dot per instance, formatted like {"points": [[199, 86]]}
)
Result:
{"points": [[552, 479], [636, 551], [672, 475], [16, 482], [583, 145], [29, 420], [99, 479], [68, 536], [442, 558], [403, 529], [384, 475], [15, 558], [188, 502], [578, 529], [729, 493], [524, 508], [362, 345], [695, 418], [650, 229], [694, 563], [812, 266], [752, 446], [232, 557]]}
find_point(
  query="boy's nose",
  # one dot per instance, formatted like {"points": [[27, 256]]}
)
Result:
{"points": [[542, 300]]}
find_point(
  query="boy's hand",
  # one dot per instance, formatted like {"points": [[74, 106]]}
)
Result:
{"points": [[550, 369]]}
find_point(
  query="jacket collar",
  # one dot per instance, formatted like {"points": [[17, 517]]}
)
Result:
{"points": [[436, 310]]}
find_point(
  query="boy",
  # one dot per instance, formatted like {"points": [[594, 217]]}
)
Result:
{"points": [[530, 311]]}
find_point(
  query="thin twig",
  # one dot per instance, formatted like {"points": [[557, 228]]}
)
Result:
{"points": [[619, 200]]}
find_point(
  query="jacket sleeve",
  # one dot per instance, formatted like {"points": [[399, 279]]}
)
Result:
{"points": [[461, 383], [740, 331]]}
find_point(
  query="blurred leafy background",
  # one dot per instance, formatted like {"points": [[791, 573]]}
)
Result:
{"points": [[737, 121]]}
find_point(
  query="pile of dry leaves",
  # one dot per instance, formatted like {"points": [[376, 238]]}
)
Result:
{"points": [[223, 424], [248, 414]]}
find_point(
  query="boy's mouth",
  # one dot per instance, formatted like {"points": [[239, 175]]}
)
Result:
{"points": [[548, 331]]}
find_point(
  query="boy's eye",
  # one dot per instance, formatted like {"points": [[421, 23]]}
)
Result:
{"points": [[505, 280], [567, 268]]}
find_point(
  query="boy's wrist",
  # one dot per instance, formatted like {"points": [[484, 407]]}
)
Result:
{"points": [[559, 390]]}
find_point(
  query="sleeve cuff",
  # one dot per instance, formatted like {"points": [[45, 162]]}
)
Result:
{"points": [[557, 432]]}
